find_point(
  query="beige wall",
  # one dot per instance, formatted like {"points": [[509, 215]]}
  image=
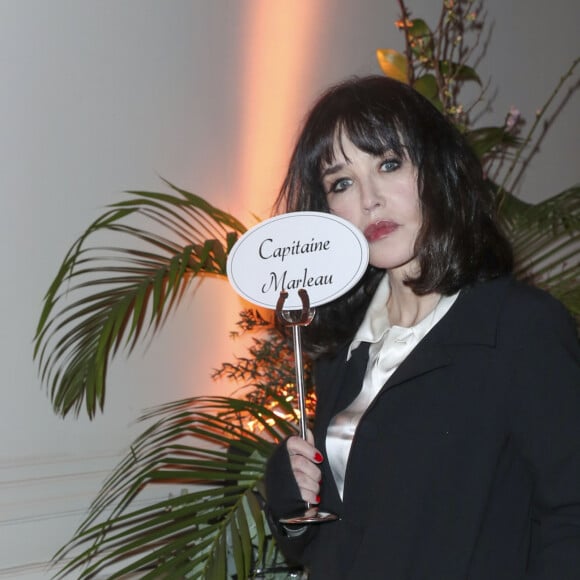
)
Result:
{"points": [[100, 97]]}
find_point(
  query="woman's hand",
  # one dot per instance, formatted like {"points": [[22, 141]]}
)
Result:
{"points": [[304, 458]]}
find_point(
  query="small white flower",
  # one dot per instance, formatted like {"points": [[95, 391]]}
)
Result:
{"points": [[512, 118]]}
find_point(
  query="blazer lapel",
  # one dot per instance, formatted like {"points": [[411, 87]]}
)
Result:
{"points": [[472, 320], [424, 358], [341, 381]]}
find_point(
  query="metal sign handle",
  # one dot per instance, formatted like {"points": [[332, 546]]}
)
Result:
{"points": [[297, 321]]}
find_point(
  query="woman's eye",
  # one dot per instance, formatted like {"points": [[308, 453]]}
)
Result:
{"points": [[339, 185], [390, 164]]}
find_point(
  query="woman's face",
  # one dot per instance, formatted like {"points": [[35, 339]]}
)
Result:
{"points": [[379, 196]]}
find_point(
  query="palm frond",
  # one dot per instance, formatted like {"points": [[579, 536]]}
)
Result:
{"points": [[489, 141], [103, 298], [546, 241], [194, 442]]}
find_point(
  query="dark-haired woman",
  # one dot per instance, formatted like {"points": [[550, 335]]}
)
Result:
{"points": [[447, 431]]}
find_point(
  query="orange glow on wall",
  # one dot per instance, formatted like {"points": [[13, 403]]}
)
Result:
{"points": [[277, 59], [279, 53]]}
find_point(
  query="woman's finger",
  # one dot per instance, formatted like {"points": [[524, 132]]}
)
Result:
{"points": [[298, 446], [303, 460]]}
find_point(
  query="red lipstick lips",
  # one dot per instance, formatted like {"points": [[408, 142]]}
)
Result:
{"points": [[380, 230]]}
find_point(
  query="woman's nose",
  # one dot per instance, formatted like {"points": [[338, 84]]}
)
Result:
{"points": [[370, 198]]}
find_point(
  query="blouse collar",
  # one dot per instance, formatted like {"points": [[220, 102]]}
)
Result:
{"points": [[376, 322]]}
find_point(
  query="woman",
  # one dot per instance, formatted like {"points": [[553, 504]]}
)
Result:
{"points": [[447, 431]]}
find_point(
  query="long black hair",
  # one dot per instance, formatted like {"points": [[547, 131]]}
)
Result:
{"points": [[459, 242]]}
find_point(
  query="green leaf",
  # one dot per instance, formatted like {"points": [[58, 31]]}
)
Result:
{"points": [[420, 38], [458, 72], [427, 86]]}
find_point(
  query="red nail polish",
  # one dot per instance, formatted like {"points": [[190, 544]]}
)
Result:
{"points": [[317, 500], [318, 457]]}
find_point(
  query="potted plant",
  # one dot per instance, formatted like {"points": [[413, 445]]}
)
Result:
{"points": [[103, 301]]}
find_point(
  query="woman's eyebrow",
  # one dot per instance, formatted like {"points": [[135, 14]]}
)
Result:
{"points": [[332, 169]]}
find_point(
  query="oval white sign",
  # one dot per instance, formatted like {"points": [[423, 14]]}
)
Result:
{"points": [[318, 252]]}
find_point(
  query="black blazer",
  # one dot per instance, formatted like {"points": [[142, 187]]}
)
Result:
{"points": [[467, 463]]}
